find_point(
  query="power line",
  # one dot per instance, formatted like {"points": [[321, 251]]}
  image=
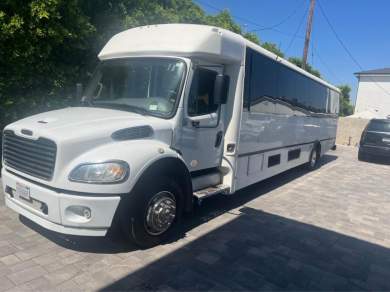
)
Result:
{"points": [[345, 47], [297, 30], [283, 20], [234, 15], [260, 27], [248, 21], [293, 36], [288, 34], [330, 71], [338, 37]]}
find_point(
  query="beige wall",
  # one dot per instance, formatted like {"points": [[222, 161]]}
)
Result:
{"points": [[350, 130], [372, 95]]}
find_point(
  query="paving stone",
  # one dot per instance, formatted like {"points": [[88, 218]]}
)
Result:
{"points": [[61, 275], [10, 260], [324, 230], [27, 275], [5, 284], [208, 258], [40, 283]]}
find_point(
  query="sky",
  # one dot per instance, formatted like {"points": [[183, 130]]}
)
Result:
{"points": [[362, 25]]}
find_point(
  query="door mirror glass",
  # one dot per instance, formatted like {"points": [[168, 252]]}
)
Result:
{"points": [[221, 89]]}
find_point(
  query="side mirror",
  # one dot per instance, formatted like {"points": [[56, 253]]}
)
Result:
{"points": [[79, 91], [221, 89]]}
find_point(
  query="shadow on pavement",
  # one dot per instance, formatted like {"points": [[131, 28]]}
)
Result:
{"points": [[211, 208], [88, 244], [262, 251]]}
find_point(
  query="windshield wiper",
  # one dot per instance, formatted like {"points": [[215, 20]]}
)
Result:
{"points": [[126, 107]]}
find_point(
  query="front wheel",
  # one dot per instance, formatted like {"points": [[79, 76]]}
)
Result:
{"points": [[154, 211]]}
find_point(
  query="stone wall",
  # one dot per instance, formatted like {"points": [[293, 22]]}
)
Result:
{"points": [[349, 131]]}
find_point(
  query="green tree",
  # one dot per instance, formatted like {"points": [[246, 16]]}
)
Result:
{"points": [[346, 108], [42, 47], [46, 46], [273, 48], [226, 21], [309, 68]]}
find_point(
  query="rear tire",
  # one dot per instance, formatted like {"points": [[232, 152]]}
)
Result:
{"points": [[313, 159], [152, 212]]}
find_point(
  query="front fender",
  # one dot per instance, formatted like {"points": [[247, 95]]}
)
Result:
{"points": [[139, 154]]}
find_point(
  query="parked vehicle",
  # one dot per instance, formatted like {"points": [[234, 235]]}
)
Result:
{"points": [[174, 113], [375, 140]]}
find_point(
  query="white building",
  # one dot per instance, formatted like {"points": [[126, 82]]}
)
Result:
{"points": [[373, 95]]}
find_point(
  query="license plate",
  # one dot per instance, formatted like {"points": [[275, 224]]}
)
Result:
{"points": [[386, 140], [23, 191]]}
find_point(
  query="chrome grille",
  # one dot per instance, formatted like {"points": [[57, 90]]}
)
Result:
{"points": [[33, 157]]}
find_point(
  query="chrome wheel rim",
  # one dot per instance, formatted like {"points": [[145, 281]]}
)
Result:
{"points": [[160, 213]]}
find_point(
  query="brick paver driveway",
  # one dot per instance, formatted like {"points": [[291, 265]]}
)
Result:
{"points": [[328, 229]]}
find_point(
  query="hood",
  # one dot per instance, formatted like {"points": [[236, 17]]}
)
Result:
{"points": [[77, 130], [78, 122]]}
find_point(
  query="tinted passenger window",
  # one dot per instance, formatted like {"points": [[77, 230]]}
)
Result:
{"points": [[271, 87], [379, 126], [261, 86], [201, 98]]}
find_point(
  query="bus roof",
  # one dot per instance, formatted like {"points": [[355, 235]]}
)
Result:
{"points": [[189, 40]]}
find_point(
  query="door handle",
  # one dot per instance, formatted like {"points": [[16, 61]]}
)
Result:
{"points": [[218, 139]]}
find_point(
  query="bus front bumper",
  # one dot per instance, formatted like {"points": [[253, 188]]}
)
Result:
{"points": [[85, 215]]}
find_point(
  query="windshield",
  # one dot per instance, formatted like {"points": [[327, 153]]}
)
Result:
{"points": [[379, 126], [144, 85]]}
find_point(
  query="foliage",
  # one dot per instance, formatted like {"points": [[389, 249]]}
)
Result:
{"points": [[46, 46], [42, 49], [225, 20], [346, 108], [298, 62], [273, 48]]}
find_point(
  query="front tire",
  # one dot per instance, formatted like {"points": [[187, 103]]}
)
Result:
{"points": [[153, 212]]}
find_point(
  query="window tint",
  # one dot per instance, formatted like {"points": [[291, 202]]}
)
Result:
{"points": [[271, 87], [260, 83], [379, 126], [287, 88], [201, 98]]}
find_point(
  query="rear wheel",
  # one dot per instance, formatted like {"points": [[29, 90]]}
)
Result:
{"points": [[153, 212], [313, 159]]}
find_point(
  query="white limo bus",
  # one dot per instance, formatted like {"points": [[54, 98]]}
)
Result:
{"points": [[174, 113]]}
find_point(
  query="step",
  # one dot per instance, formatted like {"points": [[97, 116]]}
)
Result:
{"points": [[211, 191], [204, 179]]}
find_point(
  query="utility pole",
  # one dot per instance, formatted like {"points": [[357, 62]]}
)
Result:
{"points": [[308, 33]]}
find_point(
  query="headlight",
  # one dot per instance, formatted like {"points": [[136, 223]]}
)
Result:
{"points": [[100, 173]]}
